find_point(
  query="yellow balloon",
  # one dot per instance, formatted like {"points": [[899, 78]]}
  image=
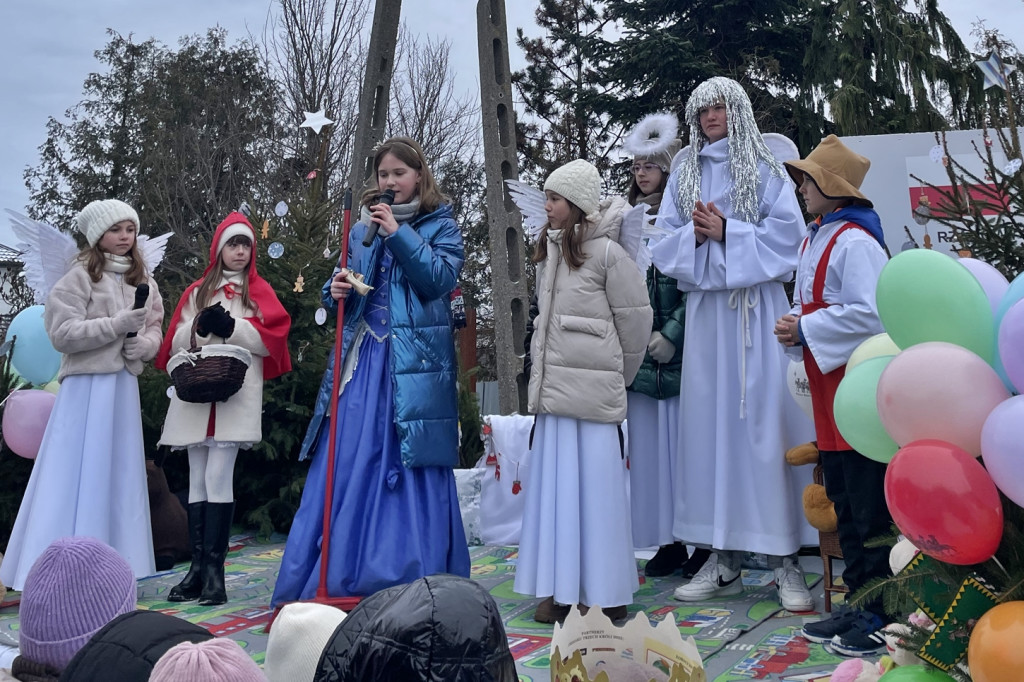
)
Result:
{"points": [[877, 346], [52, 387]]}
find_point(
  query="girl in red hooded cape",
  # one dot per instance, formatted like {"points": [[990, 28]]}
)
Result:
{"points": [[229, 304]]}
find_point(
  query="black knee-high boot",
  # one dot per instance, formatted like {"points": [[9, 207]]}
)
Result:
{"points": [[192, 584], [215, 548]]}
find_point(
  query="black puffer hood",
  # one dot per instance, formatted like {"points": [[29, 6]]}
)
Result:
{"points": [[441, 628], [127, 648]]}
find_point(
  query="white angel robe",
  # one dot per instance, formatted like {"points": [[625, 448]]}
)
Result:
{"points": [[734, 489]]}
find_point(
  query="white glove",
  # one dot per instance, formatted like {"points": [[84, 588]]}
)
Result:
{"points": [[660, 348], [133, 348], [129, 320]]}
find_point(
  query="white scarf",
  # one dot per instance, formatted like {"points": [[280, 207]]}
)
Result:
{"points": [[116, 264]]}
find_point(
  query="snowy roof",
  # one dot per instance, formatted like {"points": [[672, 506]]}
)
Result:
{"points": [[9, 255]]}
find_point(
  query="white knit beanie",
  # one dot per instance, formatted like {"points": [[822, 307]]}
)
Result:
{"points": [[580, 183], [297, 639], [100, 216]]}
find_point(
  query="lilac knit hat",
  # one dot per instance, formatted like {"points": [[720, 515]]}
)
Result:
{"points": [[215, 660], [75, 587]]}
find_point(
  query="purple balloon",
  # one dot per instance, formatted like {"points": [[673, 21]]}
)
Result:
{"points": [[1002, 447], [1011, 345], [991, 280]]}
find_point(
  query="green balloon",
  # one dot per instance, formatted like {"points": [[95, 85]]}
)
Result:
{"points": [[915, 673], [856, 411], [924, 295]]}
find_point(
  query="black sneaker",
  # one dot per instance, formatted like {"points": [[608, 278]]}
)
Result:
{"points": [[865, 638], [666, 561], [695, 562], [823, 631]]}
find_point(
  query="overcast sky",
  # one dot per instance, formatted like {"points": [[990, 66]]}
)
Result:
{"points": [[47, 46]]}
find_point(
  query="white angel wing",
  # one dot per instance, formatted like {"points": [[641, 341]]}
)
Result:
{"points": [[46, 252], [637, 231], [530, 202], [152, 249], [781, 147]]}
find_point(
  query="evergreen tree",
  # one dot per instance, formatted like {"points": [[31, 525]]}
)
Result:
{"points": [[182, 135], [560, 88]]}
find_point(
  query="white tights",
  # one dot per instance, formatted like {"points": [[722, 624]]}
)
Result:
{"points": [[211, 473]]}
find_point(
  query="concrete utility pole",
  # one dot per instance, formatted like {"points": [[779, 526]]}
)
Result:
{"points": [[508, 276], [376, 92]]}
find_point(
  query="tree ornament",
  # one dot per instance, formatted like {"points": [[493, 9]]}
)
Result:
{"points": [[497, 471], [923, 212], [320, 316], [311, 174], [987, 140], [516, 487], [491, 459], [1012, 167], [275, 250], [265, 232], [995, 71], [936, 153], [315, 120], [281, 210], [299, 281]]}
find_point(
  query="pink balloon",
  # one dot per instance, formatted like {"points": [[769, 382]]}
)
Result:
{"points": [[990, 279], [25, 415], [1002, 447], [938, 390], [1011, 344]]}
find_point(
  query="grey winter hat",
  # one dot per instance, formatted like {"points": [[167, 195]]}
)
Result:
{"points": [[580, 183]]}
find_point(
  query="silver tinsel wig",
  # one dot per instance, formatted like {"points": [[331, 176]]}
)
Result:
{"points": [[746, 148]]}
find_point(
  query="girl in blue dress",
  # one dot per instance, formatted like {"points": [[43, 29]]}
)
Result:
{"points": [[395, 514]]}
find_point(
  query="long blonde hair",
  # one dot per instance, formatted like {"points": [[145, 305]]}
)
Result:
{"points": [[408, 151], [95, 260]]}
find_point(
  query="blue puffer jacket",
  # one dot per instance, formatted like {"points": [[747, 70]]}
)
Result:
{"points": [[428, 257]]}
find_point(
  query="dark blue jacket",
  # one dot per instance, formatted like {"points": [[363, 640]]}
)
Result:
{"points": [[428, 257]]}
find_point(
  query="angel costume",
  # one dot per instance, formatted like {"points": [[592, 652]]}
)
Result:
{"points": [[734, 490], [89, 477]]}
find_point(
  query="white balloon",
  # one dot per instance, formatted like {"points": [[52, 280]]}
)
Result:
{"points": [[799, 387]]}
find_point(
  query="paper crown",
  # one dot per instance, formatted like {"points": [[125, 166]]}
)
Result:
{"points": [[591, 649]]}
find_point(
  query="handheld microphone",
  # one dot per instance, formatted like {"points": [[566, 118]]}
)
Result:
{"points": [[386, 197], [141, 294]]}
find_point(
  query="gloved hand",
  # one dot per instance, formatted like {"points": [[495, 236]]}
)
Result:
{"points": [[129, 320], [215, 320], [660, 348], [132, 348]]}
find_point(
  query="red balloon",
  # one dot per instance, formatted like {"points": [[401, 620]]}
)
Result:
{"points": [[944, 501]]}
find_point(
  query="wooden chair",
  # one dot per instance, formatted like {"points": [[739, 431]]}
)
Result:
{"points": [[830, 549]]}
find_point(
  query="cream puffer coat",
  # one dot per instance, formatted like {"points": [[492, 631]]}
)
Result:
{"points": [[239, 419], [592, 327]]}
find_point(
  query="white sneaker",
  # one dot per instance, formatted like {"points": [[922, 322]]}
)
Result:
{"points": [[793, 592], [712, 580]]}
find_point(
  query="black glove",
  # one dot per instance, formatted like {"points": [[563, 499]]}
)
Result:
{"points": [[215, 320]]}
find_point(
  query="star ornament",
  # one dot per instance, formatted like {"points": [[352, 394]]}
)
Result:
{"points": [[315, 120], [995, 71]]}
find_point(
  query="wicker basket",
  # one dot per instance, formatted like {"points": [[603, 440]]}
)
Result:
{"points": [[208, 374]]}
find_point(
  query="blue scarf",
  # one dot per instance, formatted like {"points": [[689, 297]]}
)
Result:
{"points": [[859, 215]]}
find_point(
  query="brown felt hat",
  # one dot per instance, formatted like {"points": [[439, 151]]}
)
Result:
{"points": [[836, 169]]}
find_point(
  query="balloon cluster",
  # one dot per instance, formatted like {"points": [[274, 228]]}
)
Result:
{"points": [[35, 361], [933, 393]]}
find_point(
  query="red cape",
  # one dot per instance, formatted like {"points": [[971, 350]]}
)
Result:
{"points": [[274, 325]]}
